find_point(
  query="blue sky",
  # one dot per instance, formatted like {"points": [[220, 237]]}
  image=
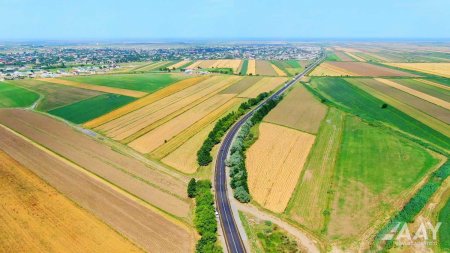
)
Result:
{"points": [[223, 19]]}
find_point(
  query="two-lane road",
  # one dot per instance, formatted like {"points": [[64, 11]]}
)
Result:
{"points": [[233, 239]]}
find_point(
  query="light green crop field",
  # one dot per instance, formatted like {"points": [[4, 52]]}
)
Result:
{"points": [[375, 171], [444, 231], [310, 198], [14, 96], [147, 82], [55, 95], [426, 88], [91, 108], [244, 67], [290, 67], [366, 106]]}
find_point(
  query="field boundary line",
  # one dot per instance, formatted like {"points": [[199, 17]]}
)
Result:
{"points": [[106, 89], [158, 211]]}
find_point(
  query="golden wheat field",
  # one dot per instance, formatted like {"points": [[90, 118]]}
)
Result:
{"points": [[138, 121], [251, 69], [37, 218], [178, 64], [279, 71], [266, 84], [440, 69], [163, 133], [416, 93], [274, 163], [125, 92], [160, 94]]}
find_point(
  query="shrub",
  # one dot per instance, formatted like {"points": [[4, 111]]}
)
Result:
{"points": [[191, 188]]}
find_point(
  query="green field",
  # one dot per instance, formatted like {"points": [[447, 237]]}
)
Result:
{"points": [[244, 67], [375, 169], [228, 71], [364, 105], [444, 231], [290, 67], [55, 95], [264, 236], [14, 96], [91, 108], [147, 82], [331, 56], [309, 200]]}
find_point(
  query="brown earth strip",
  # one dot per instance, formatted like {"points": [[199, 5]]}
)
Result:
{"points": [[155, 187], [265, 68], [125, 92], [53, 223], [147, 228]]}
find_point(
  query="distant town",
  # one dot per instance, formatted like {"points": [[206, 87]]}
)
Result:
{"points": [[32, 61]]}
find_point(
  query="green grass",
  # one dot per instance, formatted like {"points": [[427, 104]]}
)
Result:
{"points": [[244, 67], [91, 108], [265, 236], [332, 57], [375, 168], [366, 106], [290, 67], [147, 82], [14, 96], [228, 71], [444, 231]]}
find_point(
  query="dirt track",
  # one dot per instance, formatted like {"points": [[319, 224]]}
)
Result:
{"points": [[156, 188], [150, 230]]}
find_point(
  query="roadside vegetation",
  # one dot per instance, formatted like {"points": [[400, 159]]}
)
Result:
{"points": [[204, 156], [205, 219], [244, 139], [264, 236], [414, 206]]}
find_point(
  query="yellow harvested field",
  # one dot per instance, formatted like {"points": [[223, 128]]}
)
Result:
{"points": [[440, 69], [264, 85], [152, 66], [327, 69], [355, 56], [125, 92], [158, 136], [299, 110], [181, 85], [179, 64], [138, 122], [274, 163], [184, 136], [184, 158], [37, 218], [424, 96], [251, 68], [225, 63], [438, 85], [279, 71], [347, 49]]}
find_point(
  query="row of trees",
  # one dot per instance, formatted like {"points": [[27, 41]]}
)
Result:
{"points": [[215, 136], [236, 162], [205, 219], [415, 204]]}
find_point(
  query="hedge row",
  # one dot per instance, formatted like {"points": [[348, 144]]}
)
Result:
{"points": [[236, 162], [415, 205], [215, 136], [205, 219]]}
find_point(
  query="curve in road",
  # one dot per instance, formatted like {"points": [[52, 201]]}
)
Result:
{"points": [[231, 233]]}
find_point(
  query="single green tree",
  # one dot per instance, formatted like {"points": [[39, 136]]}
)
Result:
{"points": [[192, 188]]}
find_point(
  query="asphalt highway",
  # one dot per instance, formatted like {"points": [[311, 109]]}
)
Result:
{"points": [[231, 233]]}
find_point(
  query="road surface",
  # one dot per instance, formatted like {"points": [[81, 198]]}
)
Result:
{"points": [[231, 234]]}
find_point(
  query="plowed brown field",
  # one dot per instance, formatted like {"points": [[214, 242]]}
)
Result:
{"points": [[154, 187], [53, 222], [144, 226]]}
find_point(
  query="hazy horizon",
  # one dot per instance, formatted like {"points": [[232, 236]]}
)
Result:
{"points": [[140, 20]]}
